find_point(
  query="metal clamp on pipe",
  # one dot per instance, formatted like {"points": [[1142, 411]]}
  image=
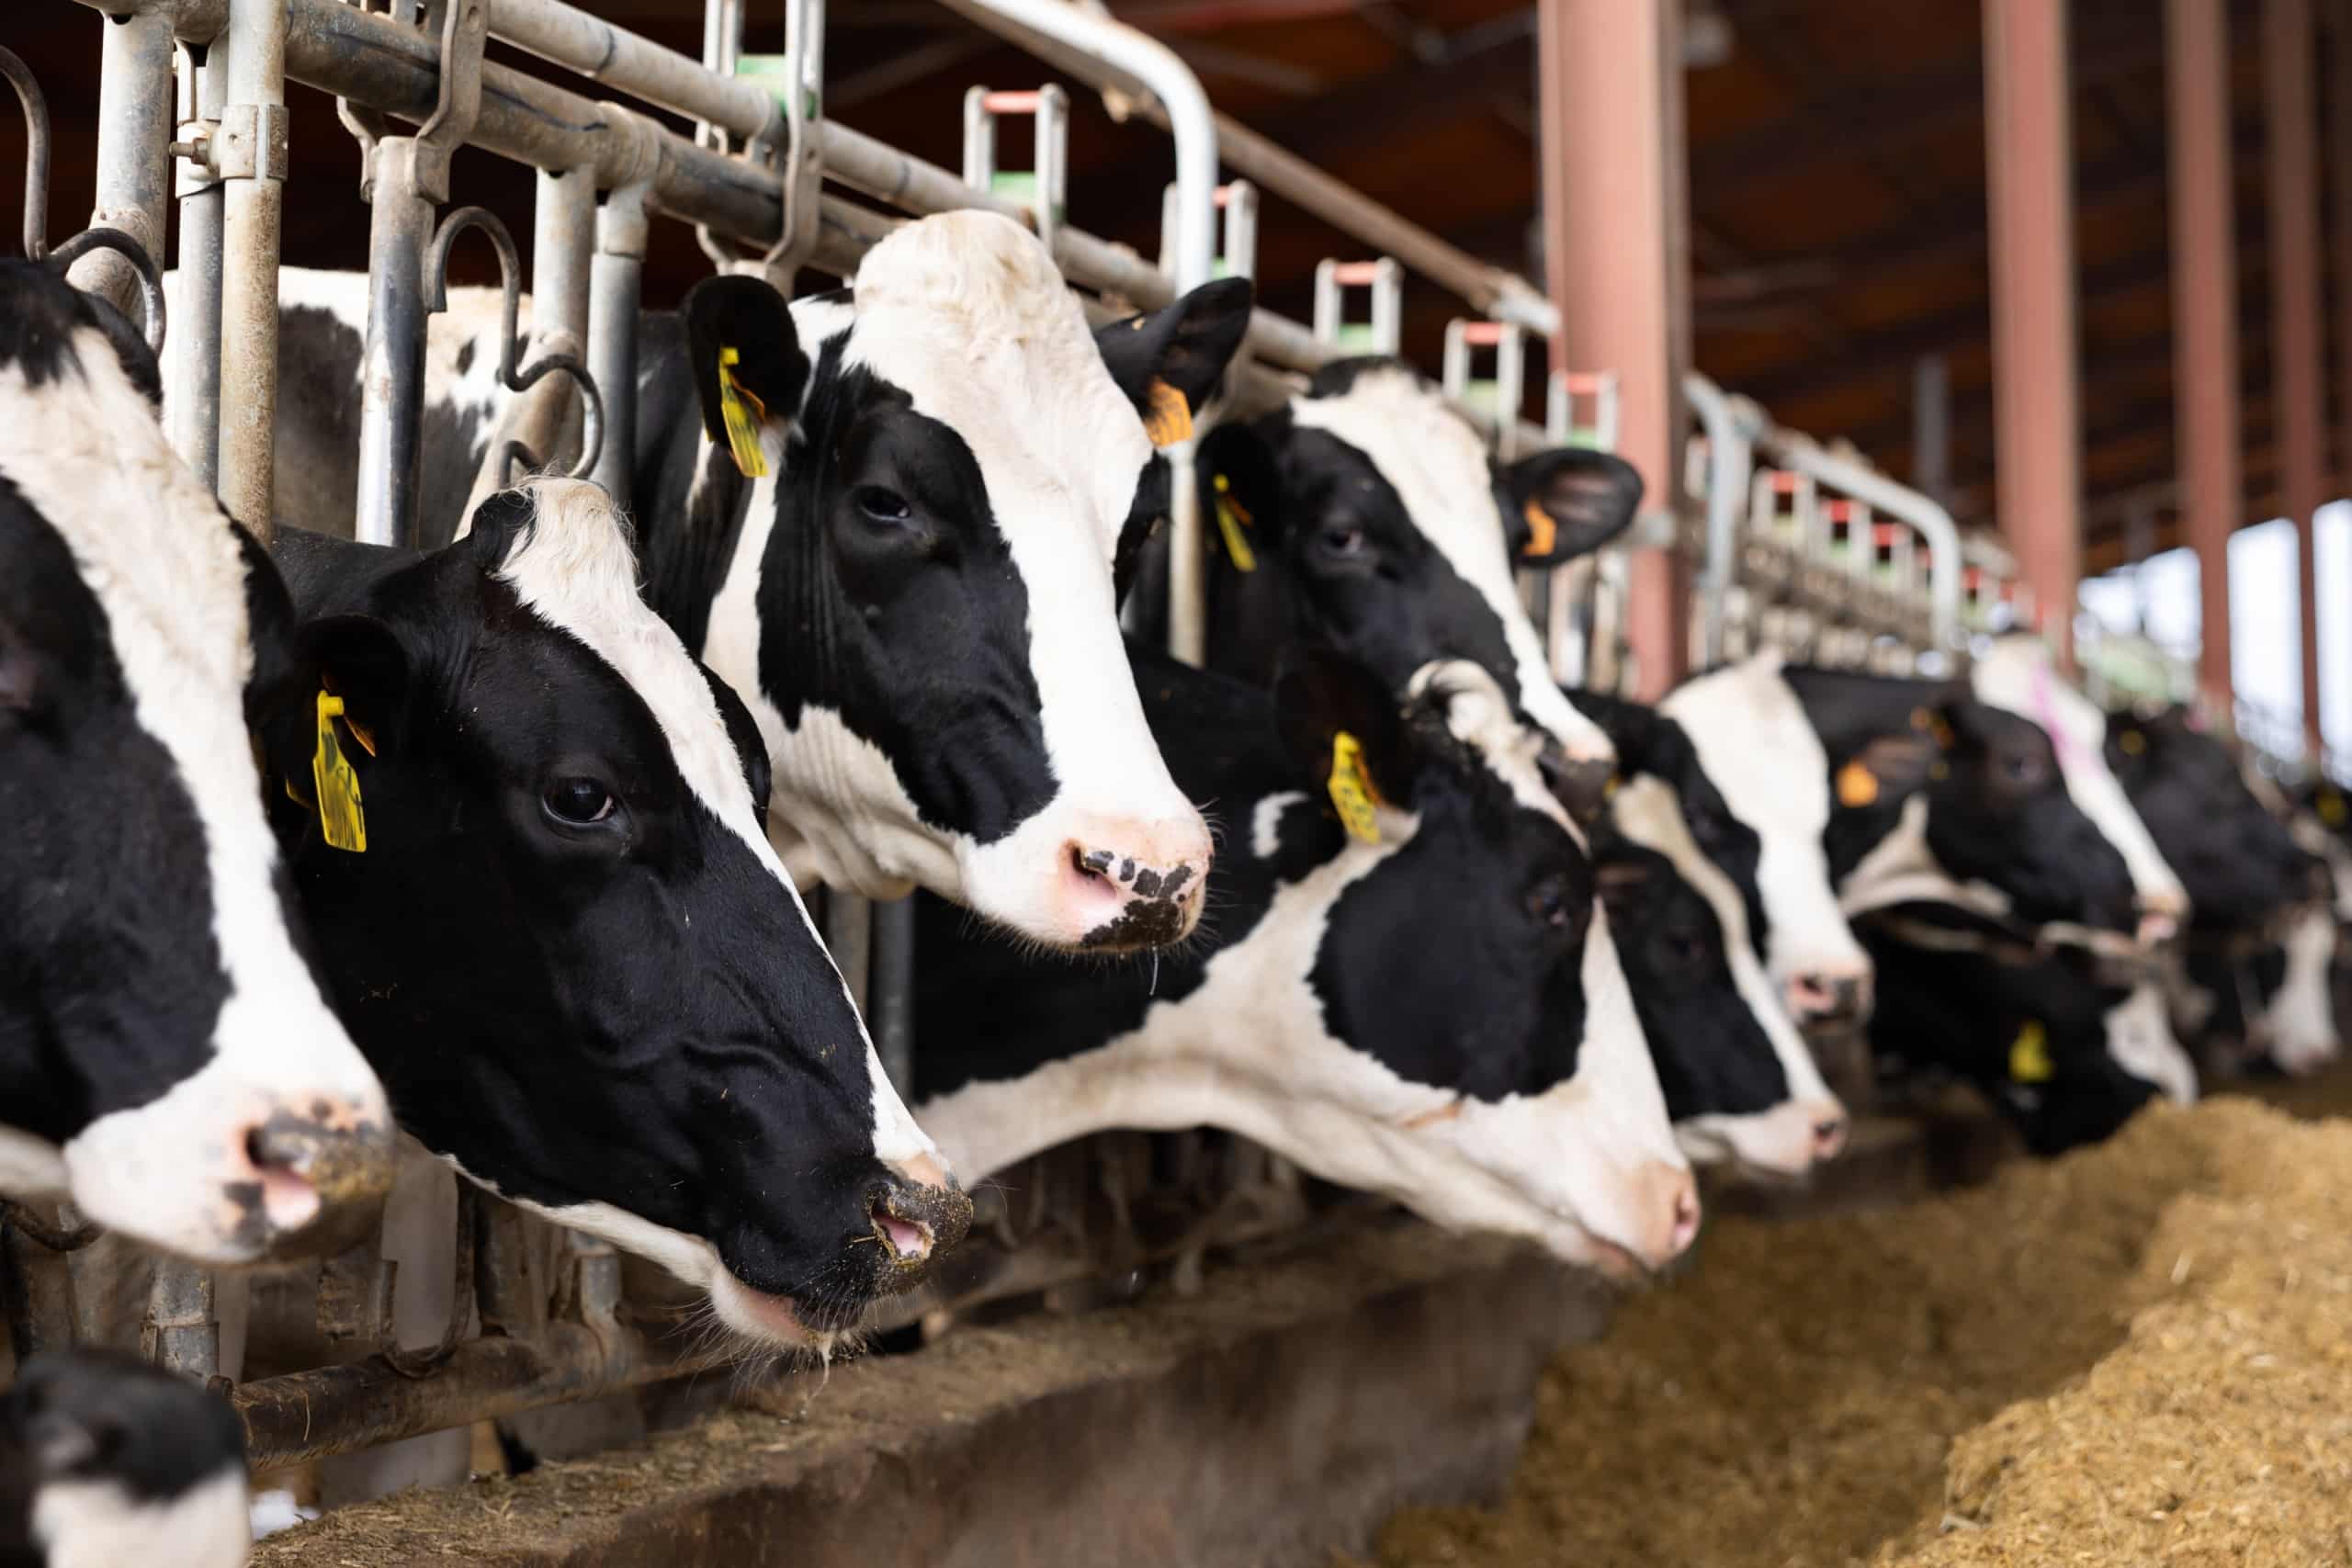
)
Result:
{"points": [[1385, 332], [134, 158], [436, 271], [1044, 187]]}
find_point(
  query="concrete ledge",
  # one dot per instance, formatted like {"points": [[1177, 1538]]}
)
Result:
{"points": [[1288, 1409]]}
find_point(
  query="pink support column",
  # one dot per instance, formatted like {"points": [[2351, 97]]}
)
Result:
{"points": [[2037, 417], [2205, 317], [1614, 225], [2295, 322]]}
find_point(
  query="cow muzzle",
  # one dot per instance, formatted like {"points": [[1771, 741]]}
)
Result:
{"points": [[322, 1172], [1827, 997], [1664, 1221], [1129, 887]]}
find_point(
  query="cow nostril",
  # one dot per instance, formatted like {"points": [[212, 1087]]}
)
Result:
{"points": [[1829, 1137], [909, 1241], [290, 1199], [1685, 1219]]}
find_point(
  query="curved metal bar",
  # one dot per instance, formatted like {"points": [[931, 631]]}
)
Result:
{"points": [[514, 380], [36, 107], [33, 1228], [150, 280], [423, 1363]]}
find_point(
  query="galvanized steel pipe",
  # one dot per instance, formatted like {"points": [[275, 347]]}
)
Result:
{"points": [[134, 160], [195, 342], [392, 365], [252, 160]]}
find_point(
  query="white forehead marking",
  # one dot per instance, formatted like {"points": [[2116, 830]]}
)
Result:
{"points": [[966, 313], [1480, 716], [1438, 467], [1266, 821], [2015, 676], [1761, 753]]}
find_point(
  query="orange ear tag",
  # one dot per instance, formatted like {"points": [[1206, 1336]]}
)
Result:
{"points": [[1857, 785], [1170, 419], [1546, 533]]}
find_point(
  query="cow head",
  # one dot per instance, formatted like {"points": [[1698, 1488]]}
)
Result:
{"points": [[1743, 733], [2018, 673], [1462, 969], [2237, 863], [166, 1058], [2036, 1033], [1368, 515], [945, 469], [106, 1459], [1739, 1083], [566, 943], [1967, 796]]}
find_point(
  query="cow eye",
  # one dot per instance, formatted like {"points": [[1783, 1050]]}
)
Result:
{"points": [[1548, 902], [2022, 767], [1341, 539], [1684, 949], [880, 505], [578, 802]]}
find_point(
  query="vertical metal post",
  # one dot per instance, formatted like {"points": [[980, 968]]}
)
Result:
{"points": [[615, 278], [391, 381], [1931, 428], [134, 136], [2339, 68], [849, 936], [253, 161], [183, 1331], [195, 342], [2205, 316], [1612, 90], [563, 237], [2038, 425], [892, 1018], [2295, 324]]}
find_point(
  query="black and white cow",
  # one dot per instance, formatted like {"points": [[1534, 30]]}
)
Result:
{"points": [[105, 1460], [1425, 1006], [1366, 514], [2262, 934], [566, 943], [166, 1059], [1880, 789], [1739, 1081], [2054, 1043], [915, 598]]}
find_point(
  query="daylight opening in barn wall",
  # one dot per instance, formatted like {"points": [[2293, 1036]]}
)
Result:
{"points": [[1245, 783]]}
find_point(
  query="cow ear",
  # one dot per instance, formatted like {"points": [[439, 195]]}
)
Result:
{"points": [[1888, 766], [1321, 697], [1240, 480], [365, 662], [1565, 503], [1184, 347], [499, 523], [1633, 729], [748, 367]]}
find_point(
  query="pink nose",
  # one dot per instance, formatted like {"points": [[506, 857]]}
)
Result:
{"points": [[1827, 996], [1125, 887], [1829, 1137], [1667, 1203]]}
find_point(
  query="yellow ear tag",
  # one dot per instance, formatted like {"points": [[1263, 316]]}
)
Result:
{"points": [[742, 413], [2332, 808], [1939, 771], [1232, 518], [342, 822], [1352, 792], [1170, 419], [1857, 785], [1546, 532], [2030, 1055], [2132, 742]]}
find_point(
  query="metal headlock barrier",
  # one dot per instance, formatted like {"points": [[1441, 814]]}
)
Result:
{"points": [[1795, 542]]}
